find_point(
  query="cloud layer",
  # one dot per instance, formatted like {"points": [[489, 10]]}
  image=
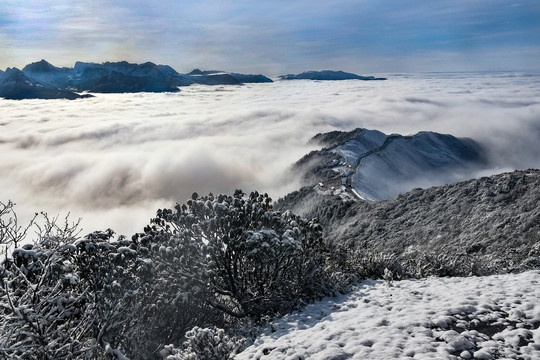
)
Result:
{"points": [[114, 159]]}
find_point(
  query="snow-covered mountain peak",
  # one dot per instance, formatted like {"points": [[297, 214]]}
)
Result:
{"points": [[375, 166]]}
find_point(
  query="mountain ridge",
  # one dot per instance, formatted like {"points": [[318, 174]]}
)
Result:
{"points": [[375, 166], [112, 77], [326, 75], [15, 85], [125, 77], [491, 222]]}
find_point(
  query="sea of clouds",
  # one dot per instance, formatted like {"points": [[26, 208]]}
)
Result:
{"points": [[114, 159]]}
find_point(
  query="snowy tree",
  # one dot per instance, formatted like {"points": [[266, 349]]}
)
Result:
{"points": [[205, 344], [214, 263], [12, 234], [62, 297], [248, 260]]}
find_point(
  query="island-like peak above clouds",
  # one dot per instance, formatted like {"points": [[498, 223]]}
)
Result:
{"points": [[113, 77], [327, 75], [371, 165]]}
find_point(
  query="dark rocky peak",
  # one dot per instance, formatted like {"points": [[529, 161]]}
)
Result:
{"points": [[335, 138], [195, 72], [166, 69], [15, 85], [206, 72], [217, 77], [151, 69], [41, 66], [81, 66], [14, 75], [259, 78], [125, 68]]}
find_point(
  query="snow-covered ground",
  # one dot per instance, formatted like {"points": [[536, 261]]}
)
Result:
{"points": [[435, 318]]}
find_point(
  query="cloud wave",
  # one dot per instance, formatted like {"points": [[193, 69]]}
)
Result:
{"points": [[114, 159]]}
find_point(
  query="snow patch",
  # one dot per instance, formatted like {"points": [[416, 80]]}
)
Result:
{"points": [[443, 318]]}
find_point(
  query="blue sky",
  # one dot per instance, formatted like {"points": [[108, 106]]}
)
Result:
{"points": [[275, 37]]}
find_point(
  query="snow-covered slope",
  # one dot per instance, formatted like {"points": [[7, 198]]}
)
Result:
{"points": [[479, 225], [436, 318], [379, 166]]}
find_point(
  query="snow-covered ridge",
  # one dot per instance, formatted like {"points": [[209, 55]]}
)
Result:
{"points": [[481, 226], [376, 166], [436, 318]]}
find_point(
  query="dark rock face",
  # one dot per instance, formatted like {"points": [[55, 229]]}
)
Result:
{"points": [[214, 79], [327, 75], [15, 85], [124, 77], [48, 75]]}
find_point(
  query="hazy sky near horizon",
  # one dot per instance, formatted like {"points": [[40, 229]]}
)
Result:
{"points": [[278, 36]]}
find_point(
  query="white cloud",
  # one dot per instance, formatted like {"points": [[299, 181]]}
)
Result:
{"points": [[114, 159]]}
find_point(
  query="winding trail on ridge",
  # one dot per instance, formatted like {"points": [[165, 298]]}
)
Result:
{"points": [[354, 171], [355, 168]]}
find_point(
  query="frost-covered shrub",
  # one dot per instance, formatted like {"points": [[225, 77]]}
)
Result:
{"points": [[205, 344], [431, 264], [12, 234], [65, 298], [374, 265], [222, 261], [390, 266], [248, 260]]}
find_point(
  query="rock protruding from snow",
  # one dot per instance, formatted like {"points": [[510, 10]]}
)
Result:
{"points": [[327, 75]]}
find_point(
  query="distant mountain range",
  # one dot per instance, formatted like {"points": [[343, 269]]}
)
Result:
{"points": [[42, 80], [16, 85]]}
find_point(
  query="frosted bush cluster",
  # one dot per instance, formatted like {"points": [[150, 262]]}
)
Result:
{"points": [[217, 261], [205, 344]]}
